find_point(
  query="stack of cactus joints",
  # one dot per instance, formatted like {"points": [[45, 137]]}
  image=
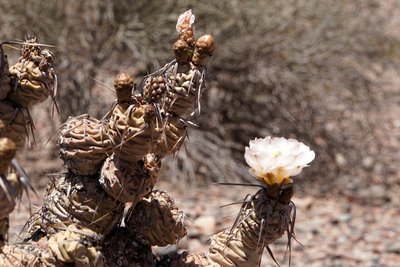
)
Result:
{"points": [[115, 162], [113, 165], [29, 81]]}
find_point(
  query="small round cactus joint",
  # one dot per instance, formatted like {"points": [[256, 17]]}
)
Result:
{"points": [[123, 84], [183, 52], [204, 49]]}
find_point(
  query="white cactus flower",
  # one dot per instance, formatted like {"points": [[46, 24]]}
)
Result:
{"points": [[275, 160], [185, 21]]}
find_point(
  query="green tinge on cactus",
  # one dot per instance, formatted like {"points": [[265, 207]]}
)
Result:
{"points": [[84, 145], [156, 221], [264, 218], [128, 182]]}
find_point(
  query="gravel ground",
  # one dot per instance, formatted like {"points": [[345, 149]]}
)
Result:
{"points": [[333, 231]]}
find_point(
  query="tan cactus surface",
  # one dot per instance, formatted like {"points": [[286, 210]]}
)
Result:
{"points": [[132, 131], [8, 198], [74, 245], [84, 145], [123, 85], [16, 257], [129, 182], [204, 49], [264, 218], [171, 136], [156, 221], [35, 77], [183, 93], [79, 199], [7, 153]]}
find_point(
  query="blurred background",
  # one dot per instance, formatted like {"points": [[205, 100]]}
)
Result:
{"points": [[325, 72]]}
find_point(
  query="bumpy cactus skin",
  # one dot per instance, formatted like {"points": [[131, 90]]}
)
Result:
{"points": [[29, 81], [129, 182], [156, 221], [84, 145], [243, 245], [26, 255], [131, 131], [78, 199], [35, 75], [74, 245], [264, 218]]}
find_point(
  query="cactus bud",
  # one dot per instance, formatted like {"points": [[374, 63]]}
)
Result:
{"points": [[123, 84], [204, 49]]}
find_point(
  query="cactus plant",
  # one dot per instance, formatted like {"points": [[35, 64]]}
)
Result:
{"points": [[114, 163]]}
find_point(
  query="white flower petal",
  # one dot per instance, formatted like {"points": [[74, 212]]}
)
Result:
{"points": [[279, 158]]}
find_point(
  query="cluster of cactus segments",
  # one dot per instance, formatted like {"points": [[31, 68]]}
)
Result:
{"points": [[31, 80], [113, 165]]}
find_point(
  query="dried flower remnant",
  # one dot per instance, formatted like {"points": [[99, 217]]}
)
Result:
{"points": [[185, 21], [184, 27], [275, 160]]}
